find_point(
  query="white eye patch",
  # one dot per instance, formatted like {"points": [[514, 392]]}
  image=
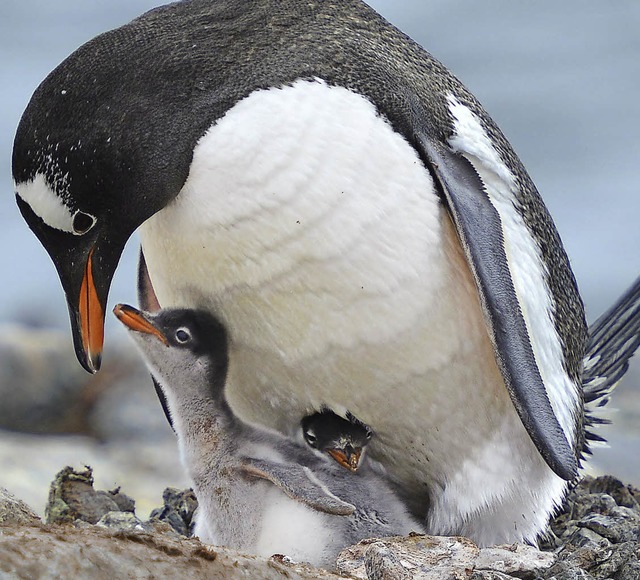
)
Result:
{"points": [[48, 206]]}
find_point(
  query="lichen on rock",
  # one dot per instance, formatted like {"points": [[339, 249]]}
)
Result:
{"points": [[15, 511], [72, 497]]}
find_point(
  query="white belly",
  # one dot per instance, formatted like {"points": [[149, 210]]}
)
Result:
{"points": [[314, 231]]}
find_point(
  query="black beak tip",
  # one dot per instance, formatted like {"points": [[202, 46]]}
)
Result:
{"points": [[90, 363]]}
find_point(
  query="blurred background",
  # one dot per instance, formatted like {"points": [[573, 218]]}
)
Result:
{"points": [[561, 80]]}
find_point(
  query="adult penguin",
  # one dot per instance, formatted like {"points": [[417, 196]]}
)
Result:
{"points": [[351, 213]]}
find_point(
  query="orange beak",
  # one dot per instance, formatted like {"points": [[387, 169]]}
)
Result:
{"points": [[91, 318], [348, 459], [135, 320]]}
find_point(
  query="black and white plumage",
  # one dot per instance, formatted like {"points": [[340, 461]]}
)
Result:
{"points": [[344, 439], [356, 219], [258, 491]]}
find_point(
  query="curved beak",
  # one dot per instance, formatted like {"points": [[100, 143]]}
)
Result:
{"points": [[85, 266], [87, 288], [349, 457], [88, 329], [136, 320]]}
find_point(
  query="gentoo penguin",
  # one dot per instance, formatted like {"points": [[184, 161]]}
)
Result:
{"points": [[258, 491], [343, 439], [354, 217]]}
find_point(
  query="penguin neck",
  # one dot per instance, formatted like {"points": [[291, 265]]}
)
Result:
{"points": [[203, 419]]}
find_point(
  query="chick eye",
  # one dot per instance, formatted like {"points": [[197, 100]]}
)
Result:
{"points": [[182, 335], [369, 434], [82, 222], [310, 438]]}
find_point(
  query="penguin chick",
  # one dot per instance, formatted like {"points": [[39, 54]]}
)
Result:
{"points": [[343, 439], [258, 491]]}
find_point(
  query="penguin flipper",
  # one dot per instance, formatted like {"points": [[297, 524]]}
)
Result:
{"points": [[479, 228], [148, 301], [299, 483]]}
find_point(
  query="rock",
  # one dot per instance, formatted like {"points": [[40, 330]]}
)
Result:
{"points": [[441, 558], [96, 553], [178, 510], [124, 502], [622, 526], [15, 511], [624, 555], [623, 495], [119, 544], [630, 570], [381, 563], [517, 560], [597, 534], [121, 521], [419, 557], [567, 571], [72, 497]]}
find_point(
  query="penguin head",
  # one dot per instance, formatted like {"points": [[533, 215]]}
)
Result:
{"points": [[342, 439], [105, 142], [85, 248], [185, 348], [84, 181]]}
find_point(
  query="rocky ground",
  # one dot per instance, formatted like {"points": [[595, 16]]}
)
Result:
{"points": [[54, 414], [90, 533]]}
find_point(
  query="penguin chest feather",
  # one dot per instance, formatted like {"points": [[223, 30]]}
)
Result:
{"points": [[315, 232]]}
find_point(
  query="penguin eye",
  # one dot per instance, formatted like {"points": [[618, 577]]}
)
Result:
{"points": [[369, 434], [310, 438], [82, 222], [182, 335]]}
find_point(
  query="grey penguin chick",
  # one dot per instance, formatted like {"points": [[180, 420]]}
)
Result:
{"points": [[343, 439], [258, 491]]}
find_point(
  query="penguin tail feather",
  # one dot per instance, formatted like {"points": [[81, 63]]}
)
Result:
{"points": [[613, 340]]}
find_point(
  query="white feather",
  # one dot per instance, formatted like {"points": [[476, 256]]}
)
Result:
{"points": [[291, 528], [45, 203]]}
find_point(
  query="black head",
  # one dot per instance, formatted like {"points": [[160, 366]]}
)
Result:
{"points": [[183, 347], [343, 439], [107, 140], [92, 161]]}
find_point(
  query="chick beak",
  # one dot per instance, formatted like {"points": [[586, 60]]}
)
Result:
{"points": [[348, 457], [135, 320]]}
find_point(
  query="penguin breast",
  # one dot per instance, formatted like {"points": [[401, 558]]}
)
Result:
{"points": [[314, 231]]}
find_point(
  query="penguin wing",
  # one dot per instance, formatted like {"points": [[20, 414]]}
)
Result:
{"points": [[480, 229], [299, 483]]}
